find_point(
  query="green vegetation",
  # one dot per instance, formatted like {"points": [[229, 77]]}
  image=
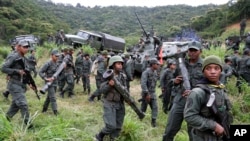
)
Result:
{"points": [[80, 120]]}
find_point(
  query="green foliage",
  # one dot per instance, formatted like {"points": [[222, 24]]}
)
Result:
{"points": [[131, 130], [88, 49], [6, 129], [4, 51]]}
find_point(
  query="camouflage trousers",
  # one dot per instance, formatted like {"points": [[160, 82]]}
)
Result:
{"points": [[51, 98]]}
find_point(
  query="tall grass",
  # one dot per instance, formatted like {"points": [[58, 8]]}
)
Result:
{"points": [[79, 120]]}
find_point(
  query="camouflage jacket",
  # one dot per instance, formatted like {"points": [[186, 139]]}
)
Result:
{"points": [[148, 82], [48, 69]]}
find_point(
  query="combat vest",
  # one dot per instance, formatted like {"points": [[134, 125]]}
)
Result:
{"points": [[113, 94], [222, 104]]}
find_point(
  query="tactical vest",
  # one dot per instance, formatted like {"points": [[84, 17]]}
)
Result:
{"points": [[222, 104], [113, 94]]}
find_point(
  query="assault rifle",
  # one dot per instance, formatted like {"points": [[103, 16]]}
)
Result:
{"points": [[221, 118], [108, 75], [27, 79], [178, 50], [55, 75]]}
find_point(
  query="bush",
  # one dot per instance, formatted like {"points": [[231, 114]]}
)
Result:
{"points": [[6, 129]]}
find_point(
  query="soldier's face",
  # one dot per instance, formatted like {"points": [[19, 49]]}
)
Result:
{"points": [[212, 72], [193, 53], [118, 66], [55, 58], [23, 49]]}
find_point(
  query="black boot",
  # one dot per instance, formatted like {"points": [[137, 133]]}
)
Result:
{"points": [[153, 122], [88, 91], [6, 94], [91, 98], [44, 109], [84, 90], [100, 136], [55, 112], [62, 93]]}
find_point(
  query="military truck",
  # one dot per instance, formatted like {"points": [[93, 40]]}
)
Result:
{"points": [[33, 40], [98, 40]]}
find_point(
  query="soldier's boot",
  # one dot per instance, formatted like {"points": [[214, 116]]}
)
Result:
{"points": [[6, 94], [91, 98], [100, 136], [62, 93], [55, 112], [84, 89], [98, 97], [153, 122], [88, 91], [71, 94], [44, 109]]}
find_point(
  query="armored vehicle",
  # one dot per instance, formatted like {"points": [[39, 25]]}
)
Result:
{"points": [[98, 40]]}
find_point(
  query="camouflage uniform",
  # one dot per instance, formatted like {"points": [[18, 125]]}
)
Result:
{"points": [[61, 77], [16, 85], [244, 66], [113, 105], [196, 112], [148, 85], [128, 69], [79, 67], [87, 64], [166, 82], [69, 73], [32, 63], [175, 117], [101, 68], [227, 72], [47, 71]]}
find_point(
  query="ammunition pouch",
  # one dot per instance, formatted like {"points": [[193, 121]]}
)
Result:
{"points": [[113, 97]]}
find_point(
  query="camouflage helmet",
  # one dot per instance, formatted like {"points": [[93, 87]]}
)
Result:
{"points": [[212, 59], [114, 59]]}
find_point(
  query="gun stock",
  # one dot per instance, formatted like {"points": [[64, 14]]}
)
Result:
{"points": [[109, 74], [222, 119]]}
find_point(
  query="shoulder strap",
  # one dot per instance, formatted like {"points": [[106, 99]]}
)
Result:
{"points": [[205, 89]]}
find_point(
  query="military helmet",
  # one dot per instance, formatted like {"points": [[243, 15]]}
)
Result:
{"points": [[212, 59], [154, 61], [114, 59]]}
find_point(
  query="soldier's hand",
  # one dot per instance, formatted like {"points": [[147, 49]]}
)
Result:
{"points": [[178, 80], [32, 87], [219, 130], [186, 93], [21, 72], [50, 79], [148, 98], [111, 82]]}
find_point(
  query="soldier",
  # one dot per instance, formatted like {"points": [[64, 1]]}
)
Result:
{"points": [[242, 26], [69, 72], [101, 68], [205, 123], [166, 82], [128, 69], [6, 93], [113, 103], [60, 36], [148, 84], [61, 77], [16, 83], [79, 66], [46, 73], [87, 64], [145, 63], [194, 68], [32, 62], [244, 66], [227, 70]]}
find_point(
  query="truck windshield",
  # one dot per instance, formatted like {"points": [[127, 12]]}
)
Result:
{"points": [[83, 35]]}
